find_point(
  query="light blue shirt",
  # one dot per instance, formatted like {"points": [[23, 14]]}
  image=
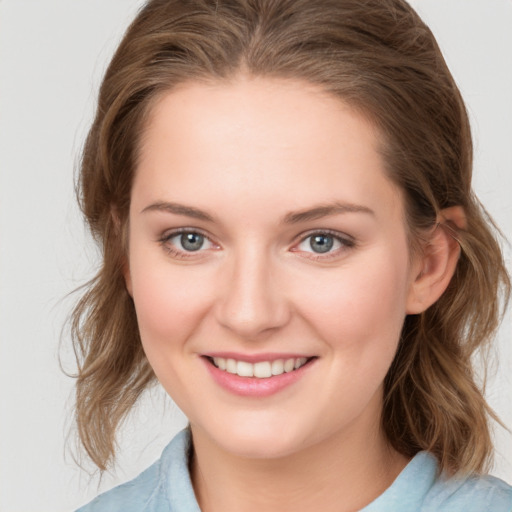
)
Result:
{"points": [[166, 487]]}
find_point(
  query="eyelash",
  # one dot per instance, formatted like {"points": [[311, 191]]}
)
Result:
{"points": [[346, 242], [177, 253]]}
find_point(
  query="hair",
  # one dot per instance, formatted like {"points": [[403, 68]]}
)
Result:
{"points": [[380, 58]]}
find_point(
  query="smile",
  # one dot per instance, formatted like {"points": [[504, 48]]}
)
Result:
{"points": [[261, 369], [263, 376]]}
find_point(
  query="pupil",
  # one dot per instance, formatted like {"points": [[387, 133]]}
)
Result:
{"points": [[192, 241], [321, 243]]}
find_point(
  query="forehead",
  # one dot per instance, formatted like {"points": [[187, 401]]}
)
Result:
{"points": [[284, 140]]}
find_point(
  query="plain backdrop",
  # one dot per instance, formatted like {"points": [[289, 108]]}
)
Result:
{"points": [[52, 56]]}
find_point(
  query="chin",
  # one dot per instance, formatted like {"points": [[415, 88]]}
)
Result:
{"points": [[261, 448], [258, 440]]}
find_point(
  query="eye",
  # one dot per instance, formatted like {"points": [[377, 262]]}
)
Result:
{"points": [[324, 243], [320, 243], [184, 242], [189, 241]]}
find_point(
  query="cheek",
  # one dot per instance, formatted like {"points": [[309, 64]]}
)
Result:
{"points": [[169, 300], [170, 304], [363, 306]]}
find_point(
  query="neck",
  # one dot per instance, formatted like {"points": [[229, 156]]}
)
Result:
{"points": [[342, 473]]}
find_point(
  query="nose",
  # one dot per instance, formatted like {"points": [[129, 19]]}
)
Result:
{"points": [[252, 303]]}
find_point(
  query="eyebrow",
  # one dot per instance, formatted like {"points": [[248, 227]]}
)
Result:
{"points": [[325, 210], [178, 209], [317, 212]]}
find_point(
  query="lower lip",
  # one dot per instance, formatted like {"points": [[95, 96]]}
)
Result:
{"points": [[253, 386]]}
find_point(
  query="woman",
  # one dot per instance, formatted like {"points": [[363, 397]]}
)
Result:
{"points": [[292, 248]]}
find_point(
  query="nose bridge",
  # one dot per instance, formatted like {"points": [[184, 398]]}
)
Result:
{"points": [[252, 302]]}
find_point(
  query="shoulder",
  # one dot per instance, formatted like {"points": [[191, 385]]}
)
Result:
{"points": [[471, 494], [134, 495], [164, 486], [420, 488]]}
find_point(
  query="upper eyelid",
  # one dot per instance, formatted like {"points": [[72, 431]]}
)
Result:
{"points": [[344, 237], [170, 233]]}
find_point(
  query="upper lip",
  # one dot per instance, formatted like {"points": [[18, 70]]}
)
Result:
{"points": [[256, 358]]}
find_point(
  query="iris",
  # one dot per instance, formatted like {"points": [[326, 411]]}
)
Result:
{"points": [[321, 243]]}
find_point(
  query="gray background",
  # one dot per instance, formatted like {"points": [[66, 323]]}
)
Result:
{"points": [[52, 55]]}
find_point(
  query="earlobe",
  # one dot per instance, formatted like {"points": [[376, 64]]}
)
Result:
{"points": [[434, 268]]}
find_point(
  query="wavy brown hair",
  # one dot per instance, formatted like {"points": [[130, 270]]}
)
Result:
{"points": [[379, 57]]}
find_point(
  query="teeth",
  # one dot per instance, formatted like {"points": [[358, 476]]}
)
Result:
{"points": [[220, 362], [289, 365], [261, 370], [244, 369], [277, 367]]}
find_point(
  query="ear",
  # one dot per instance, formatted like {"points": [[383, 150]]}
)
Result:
{"points": [[435, 265], [124, 247]]}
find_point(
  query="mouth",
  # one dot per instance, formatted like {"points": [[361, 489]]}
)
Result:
{"points": [[260, 369], [257, 376]]}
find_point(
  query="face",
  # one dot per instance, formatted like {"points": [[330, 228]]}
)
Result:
{"points": [[268, 263]]}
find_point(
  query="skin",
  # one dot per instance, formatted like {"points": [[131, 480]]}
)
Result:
{"points": [[250, 154]]}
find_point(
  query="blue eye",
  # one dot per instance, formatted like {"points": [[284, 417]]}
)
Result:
{"points": [[191, 241], [323, 243], [187, 241]]}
